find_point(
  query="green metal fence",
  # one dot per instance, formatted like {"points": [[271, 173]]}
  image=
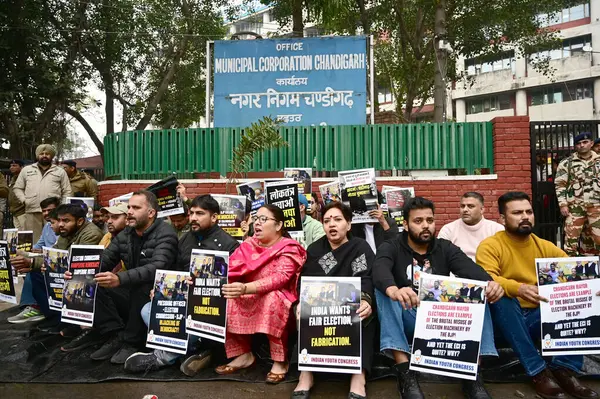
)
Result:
{"points": [[151, 154]]}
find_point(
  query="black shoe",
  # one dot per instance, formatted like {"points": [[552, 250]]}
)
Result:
{"points": [[193, 364], [408, 386], [70, 331], [353, 395], [301, 395], [49, 325], [141, 362], [123, 354], [88, 337], [107, 350], [475, 389]]}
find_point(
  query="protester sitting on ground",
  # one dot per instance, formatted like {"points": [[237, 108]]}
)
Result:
{"points": [[73, 229], [396, 287], [313, 229], [206, 234], [472, 227], [376, 233], [263, 274], [146, 245], [181, 222], [31, 311], [346, 257], [509, 257], [115, 223]]}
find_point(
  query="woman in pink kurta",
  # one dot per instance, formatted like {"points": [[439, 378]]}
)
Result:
{"points": [[263, 275]]}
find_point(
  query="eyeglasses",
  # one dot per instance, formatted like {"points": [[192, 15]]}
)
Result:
{"points": [[262, 219]]}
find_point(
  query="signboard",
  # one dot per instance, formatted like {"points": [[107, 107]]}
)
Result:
{"points": [[570, 320], [359, 191], [308, 81], [284, 195], [330, 328], [449, 326], [207, 308]]}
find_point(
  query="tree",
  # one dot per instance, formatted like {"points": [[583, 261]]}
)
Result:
{"points": [[147, 56], [409, 58]]}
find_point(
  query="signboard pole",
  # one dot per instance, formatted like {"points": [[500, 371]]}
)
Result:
{"points": [[208, 72], [372, 73]]}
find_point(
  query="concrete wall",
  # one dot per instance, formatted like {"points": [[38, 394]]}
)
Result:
{"points": [[488, 116], [571, 110], [512, 166]]}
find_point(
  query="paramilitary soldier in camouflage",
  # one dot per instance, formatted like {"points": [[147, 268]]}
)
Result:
{"points": [[577, 184]]}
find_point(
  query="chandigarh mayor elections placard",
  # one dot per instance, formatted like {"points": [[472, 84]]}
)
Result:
{"points": [[301, 82]]}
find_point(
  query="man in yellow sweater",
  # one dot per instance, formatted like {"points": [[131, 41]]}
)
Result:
{"points": [[509, 258]]}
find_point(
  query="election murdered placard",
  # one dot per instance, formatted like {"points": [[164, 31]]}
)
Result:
{"points": [[449, 326], [570, 320], [330, 328]]}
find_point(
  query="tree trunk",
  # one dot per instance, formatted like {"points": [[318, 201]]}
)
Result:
{"points": [[99, 144], [297, 19], [439, 94], [109, 107]]}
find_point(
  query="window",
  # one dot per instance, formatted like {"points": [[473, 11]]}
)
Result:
{"points": [[568, 14], [489, 104], [384, 95], [475, 66], [564, 92], [570, 47]]}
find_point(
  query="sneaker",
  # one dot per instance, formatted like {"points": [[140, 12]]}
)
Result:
{"points": [[107, 350], [408, 386], [123, 354], [193, 364], [29, 314], [51, 324], [141, 362], [88, 337]]}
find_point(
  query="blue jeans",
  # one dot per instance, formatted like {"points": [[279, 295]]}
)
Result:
{"points": [[398, 327], [38, 290], [27, 298], [166, 358], [521, 327]]}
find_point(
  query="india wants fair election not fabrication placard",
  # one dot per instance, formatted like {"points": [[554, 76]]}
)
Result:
{"points": [[449, 326], [79, 294], [570, 319], [301, 82], [166, 329], [207, 308], [330, 336]]}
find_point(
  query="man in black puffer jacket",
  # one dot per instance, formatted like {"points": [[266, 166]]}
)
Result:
{"points": [[146, 245]]}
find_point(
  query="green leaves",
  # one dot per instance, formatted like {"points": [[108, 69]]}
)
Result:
{"points": [[260, 136]]}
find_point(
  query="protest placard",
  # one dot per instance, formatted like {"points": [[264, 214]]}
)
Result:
{"points": [[449, 326], [169, 202], [166, 329], [56, 263], [395, 198], [330, 192], [79, 294], [570, 319], [87, 203], [254, 192], [330, 333], [207, 308], [232, 214], [359, 191], [304, 178], [284, 195], [7, 284]]}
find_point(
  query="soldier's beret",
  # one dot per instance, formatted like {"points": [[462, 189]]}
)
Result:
{"points": [[597, 141], [582, 136]]}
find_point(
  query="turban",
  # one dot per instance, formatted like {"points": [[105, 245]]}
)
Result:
{"points": [[45, 147]]}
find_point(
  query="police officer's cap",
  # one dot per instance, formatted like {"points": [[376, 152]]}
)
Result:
{"points": [[582, 136]]}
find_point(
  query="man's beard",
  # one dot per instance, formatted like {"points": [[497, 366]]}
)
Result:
{"points": [[417, 238], [45, 161], [524, 229]]}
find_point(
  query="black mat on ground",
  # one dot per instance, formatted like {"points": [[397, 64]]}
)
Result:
{"points": [[30, 356]]}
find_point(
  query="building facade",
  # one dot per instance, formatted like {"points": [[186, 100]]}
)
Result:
{"points": [[511, 86]]}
